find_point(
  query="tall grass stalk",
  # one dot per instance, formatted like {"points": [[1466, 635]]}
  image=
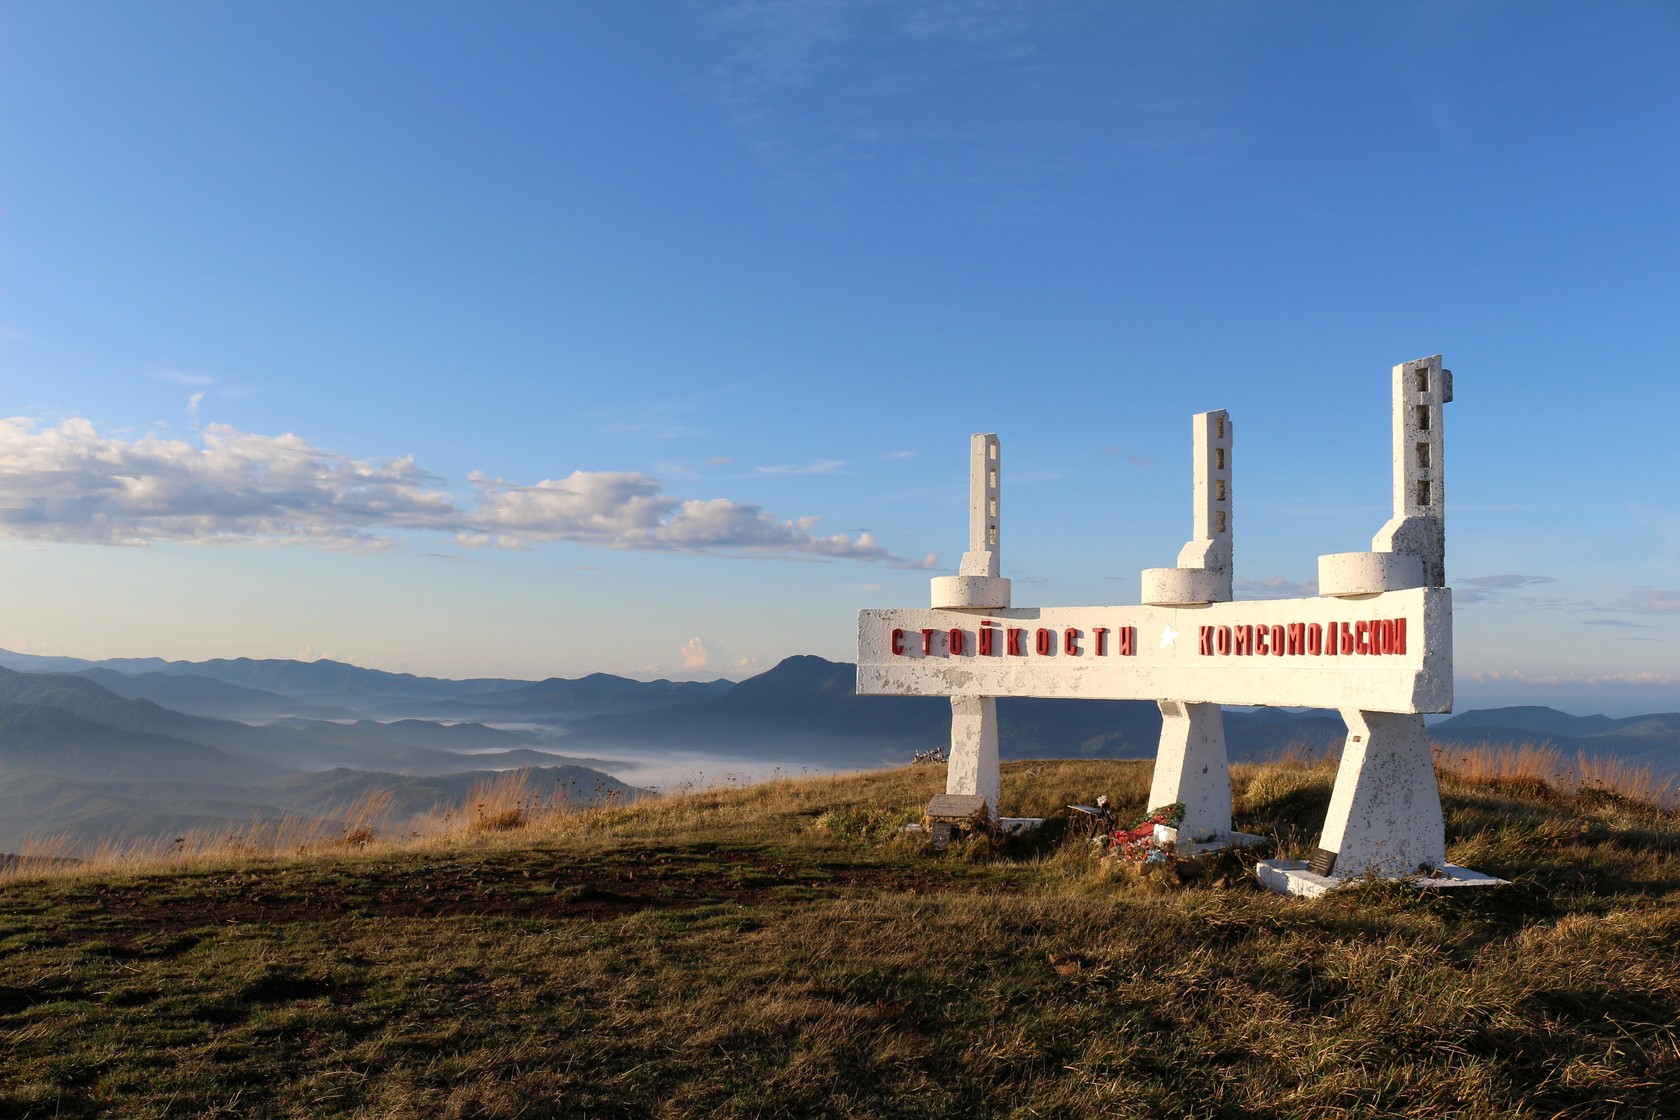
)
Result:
{"points": [[1539, 768], [358, 824]]}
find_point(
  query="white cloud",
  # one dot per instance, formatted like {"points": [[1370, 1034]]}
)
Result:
{"points": [[69, 484], [694, 654], [702, 659]]}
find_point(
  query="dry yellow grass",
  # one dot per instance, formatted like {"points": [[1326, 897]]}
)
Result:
{"points": [[1540, 768], [511, 804]]}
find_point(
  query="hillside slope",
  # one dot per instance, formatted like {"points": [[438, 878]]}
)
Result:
{"points": [[783, 950]]}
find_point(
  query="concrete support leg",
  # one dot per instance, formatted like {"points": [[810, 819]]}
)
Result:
{"points": [[973, 766], [1385, 812], [1191, 766]]}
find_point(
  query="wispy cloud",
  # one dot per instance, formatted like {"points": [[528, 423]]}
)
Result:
{"points": [[1652, 600], [1133, 456], [180, 378], [1487, 589], [1275, 587], [821, 466], [1586, 680], [70, 484]]}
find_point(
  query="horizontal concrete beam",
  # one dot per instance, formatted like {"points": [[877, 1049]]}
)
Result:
{"points": [[1391, 652]]}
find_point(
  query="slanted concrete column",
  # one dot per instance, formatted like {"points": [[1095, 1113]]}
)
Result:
{"points": [[1191, 766], [973, 766], [1385, 812]]}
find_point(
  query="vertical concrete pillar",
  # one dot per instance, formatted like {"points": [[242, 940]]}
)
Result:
{"points": [[1385, 811], [1191, 766], [977, 586], [973, 765], [1418, 527]]}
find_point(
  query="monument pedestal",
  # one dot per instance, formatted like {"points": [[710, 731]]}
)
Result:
{"points": [[1291, 876], [1200, 843]]}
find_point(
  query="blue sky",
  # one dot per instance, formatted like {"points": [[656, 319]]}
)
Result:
{"points": [[536, 339]]}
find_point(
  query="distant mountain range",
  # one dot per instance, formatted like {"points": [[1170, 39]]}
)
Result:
{"points": [[125, 747]]}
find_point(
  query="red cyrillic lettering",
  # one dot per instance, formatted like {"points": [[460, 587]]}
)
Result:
{"points": [[1399, 635], [1245, 640], [988, 639], [1297, 638], [955, 640], [898, 642], [1222, 640], [1015, 647], [927, 641], [1100, 633], [1070, 642], [1204, 641], [1128, 640], [1361, 637], [1045, 642]]}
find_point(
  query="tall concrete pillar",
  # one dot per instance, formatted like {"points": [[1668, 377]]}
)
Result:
{"points": [[1191, 764], [977, 586]]}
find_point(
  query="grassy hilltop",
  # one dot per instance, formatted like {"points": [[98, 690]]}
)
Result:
{"points": [[781, 950]]}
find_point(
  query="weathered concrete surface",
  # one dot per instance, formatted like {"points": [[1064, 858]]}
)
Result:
{"points": [[1290, 876], [1385, 810], [1167, 659], [1204, 570], [973, 765], [1191, 766]]}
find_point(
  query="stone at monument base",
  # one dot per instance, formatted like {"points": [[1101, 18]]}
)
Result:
{"points": [[952, 815], [1290, 876], [1203, 843]]}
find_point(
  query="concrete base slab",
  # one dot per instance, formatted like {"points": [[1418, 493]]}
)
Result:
{"points": [[1198, 845], [1011, 826], [1290, 876]]}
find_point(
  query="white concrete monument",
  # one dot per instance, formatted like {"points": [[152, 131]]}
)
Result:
{"points": [[1375, 644]]}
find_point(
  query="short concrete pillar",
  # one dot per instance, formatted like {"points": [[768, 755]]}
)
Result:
{"points": [[1191, 766], [973, 765]]}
